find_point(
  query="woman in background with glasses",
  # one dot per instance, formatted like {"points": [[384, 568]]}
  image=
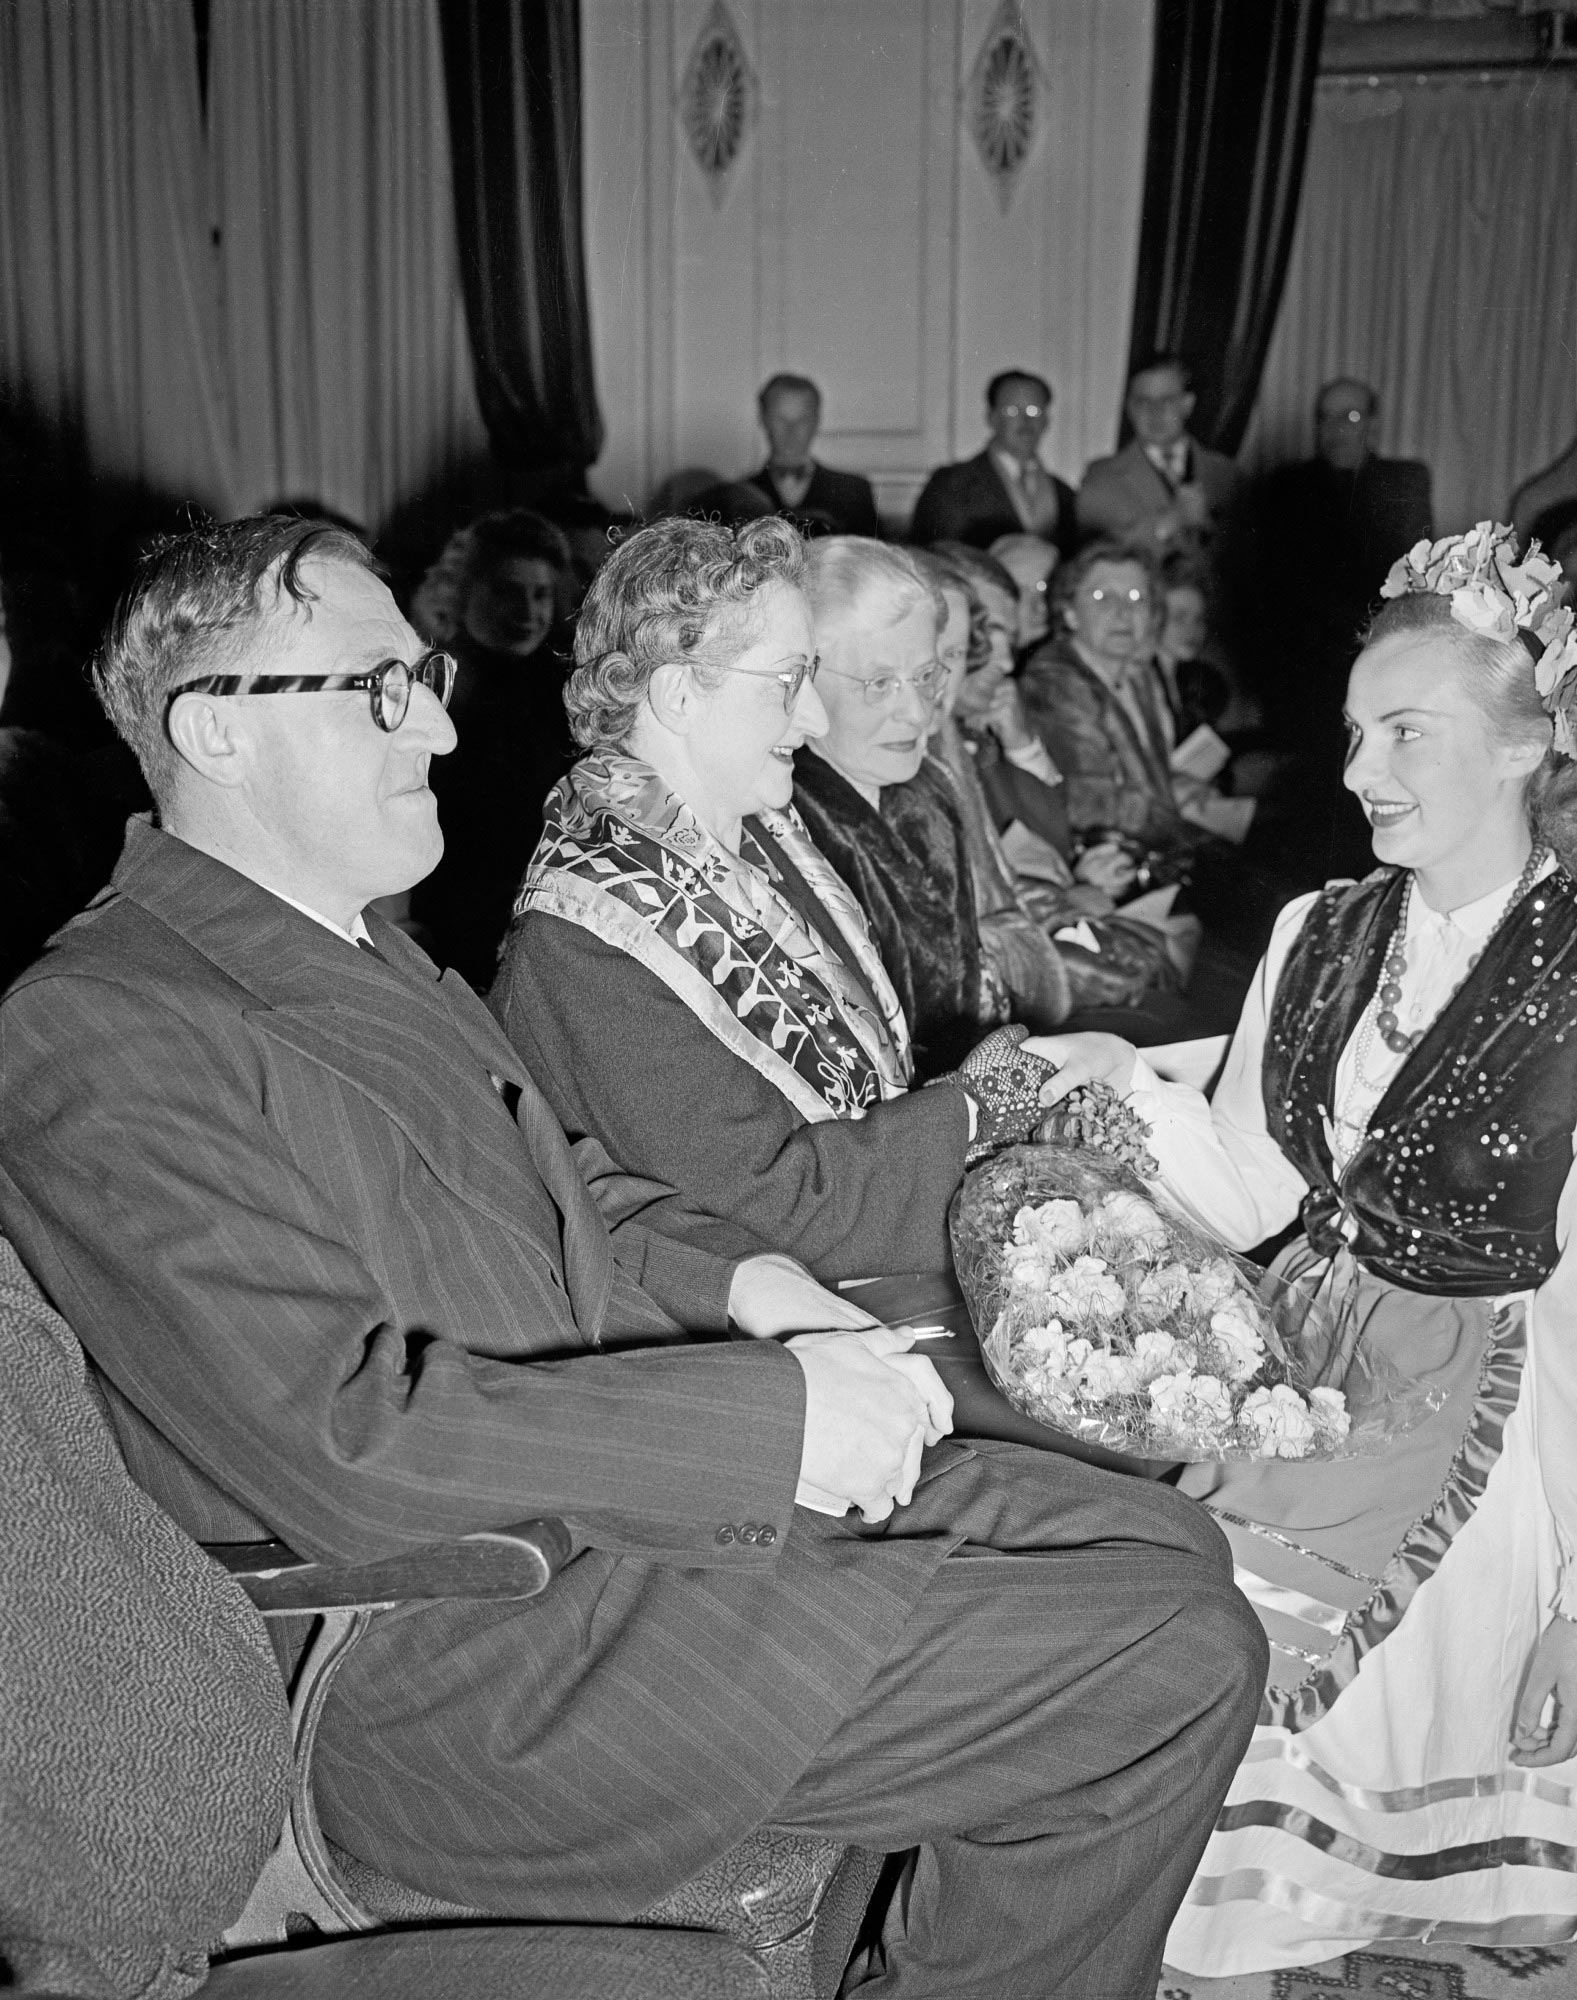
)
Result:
{"points": [[886, 815], [687, 977]]}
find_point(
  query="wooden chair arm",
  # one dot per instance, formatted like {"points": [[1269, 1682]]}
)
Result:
{"points": [[515, 1562]]}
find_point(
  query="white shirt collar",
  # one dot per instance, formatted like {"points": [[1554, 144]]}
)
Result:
{"points": [[358, 928], [1475, 920], [1015, 468]]}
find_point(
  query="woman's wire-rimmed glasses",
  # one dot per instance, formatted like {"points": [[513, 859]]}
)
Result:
{"points": [[881, 690], [790, 679], [389, 684]]}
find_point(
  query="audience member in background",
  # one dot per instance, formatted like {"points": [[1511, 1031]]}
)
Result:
{"points": [[797, 484], [886, 815], [493, 599], [1197, 691], [1094, 696], [1164, 489], [1106, 962], [63, 816], [1029, 560], [1003, 490], [1303, 571], [1536, 497], [759, 992], [64, 802]]}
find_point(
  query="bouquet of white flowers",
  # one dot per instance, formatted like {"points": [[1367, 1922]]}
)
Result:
{"points": [[1127, 1326]]}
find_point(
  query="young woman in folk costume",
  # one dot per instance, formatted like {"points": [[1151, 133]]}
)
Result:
{"points": [[1404, 1079]]}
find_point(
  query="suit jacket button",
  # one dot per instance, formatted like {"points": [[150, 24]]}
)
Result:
{"points": [[766, 1536], [724, 1536], [750, 1533]]}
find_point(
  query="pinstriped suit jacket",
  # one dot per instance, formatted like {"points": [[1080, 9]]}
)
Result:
{"points": [[342, 1292]]}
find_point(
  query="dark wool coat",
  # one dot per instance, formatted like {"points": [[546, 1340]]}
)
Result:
{"points": [[908, 866]]}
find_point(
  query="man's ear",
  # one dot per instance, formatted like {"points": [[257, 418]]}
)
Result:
{"points": [[1189, 400], [671, 695], [212, 741]]}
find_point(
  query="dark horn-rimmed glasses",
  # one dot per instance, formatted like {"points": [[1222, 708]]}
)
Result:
{"points": [[389, 684]]}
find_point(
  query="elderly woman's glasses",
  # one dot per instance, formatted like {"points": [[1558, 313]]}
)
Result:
{"points": [[881, 690], [791, 679], [389, 684]]}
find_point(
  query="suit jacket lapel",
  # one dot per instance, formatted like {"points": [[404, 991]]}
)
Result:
{"points": [[422, 1047]]}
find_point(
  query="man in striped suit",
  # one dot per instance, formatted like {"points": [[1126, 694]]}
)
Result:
{"points": [[346, 1282]]}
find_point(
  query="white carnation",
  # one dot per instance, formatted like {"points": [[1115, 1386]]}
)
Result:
{"points": [[1160, 1292], [1107, 1375], [1056, 1227], [1236, 1333], [1169, 1398], [1210, 1403], [1157, 1354], [1127, 1218], [1086, 1290], [1279, 1421], [1215, 1283], [1046, 1349], [1329, 1410]]}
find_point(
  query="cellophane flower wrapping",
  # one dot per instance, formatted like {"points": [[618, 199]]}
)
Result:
{"points": [[1109, 1316]]}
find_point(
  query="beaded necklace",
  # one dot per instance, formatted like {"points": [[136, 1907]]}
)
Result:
{"points": [[1380, 1016]]}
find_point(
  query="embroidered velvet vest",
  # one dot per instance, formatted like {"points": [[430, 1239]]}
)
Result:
{"points": [[1454, 1189]]}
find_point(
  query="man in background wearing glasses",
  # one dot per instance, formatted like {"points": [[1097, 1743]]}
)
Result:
{"points": [[1005, 489], [1164, 489]]}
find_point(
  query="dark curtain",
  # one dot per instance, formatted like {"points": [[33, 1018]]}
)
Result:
{"points": [[512, 76], [1230, 105]]}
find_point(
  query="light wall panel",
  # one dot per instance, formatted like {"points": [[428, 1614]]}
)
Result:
{"points": [[860, 238]]}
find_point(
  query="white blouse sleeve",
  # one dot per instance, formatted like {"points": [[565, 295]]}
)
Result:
{"points": [[1218, 1161], [1553, 1336]]}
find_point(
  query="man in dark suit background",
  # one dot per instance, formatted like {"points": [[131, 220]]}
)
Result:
{"points": [[1304, 563], [1164, 490], [1003, 490], [795, 482], [348, 1283]]}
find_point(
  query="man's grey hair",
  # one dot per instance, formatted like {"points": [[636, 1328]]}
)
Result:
{"points": [[198, 601]]}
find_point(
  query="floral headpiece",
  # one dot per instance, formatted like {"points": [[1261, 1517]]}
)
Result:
{"points": [[1493, 594]]}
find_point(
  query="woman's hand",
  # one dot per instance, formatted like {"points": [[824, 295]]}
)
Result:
{"points": [[1551, 1682], [1107, 866], [1083, 1059]]}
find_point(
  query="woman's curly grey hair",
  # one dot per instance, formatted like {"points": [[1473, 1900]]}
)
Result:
{"points": [[680, 590], [514, 533]]}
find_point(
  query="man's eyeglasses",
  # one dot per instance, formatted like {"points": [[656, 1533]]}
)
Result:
{"points": [[389, 684], [791, 680], [881, 690], [1030, 410]]}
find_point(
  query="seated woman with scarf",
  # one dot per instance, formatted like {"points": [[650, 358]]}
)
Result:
{"points": [[686, 976]]}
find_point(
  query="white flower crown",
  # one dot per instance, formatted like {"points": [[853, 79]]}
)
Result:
{"points": [[1493, 594]]}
